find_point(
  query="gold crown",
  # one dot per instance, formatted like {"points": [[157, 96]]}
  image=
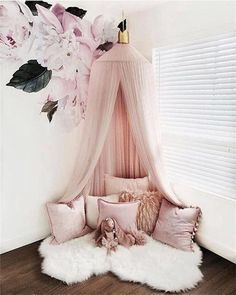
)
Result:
{"points": [[123, 37]]}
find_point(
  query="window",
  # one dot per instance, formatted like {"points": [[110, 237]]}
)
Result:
{"points": [[196, 85]]}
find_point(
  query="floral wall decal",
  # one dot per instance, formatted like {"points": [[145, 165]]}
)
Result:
{"points": [[62, 46]]}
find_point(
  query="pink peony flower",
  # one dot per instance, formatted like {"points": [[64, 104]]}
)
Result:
{"points": [[67, 45], [63, 43], [104, 30], [15, 30], [59, 42]]}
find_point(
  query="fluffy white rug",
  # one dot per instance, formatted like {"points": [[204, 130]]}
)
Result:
{"points": [[155, 264]]}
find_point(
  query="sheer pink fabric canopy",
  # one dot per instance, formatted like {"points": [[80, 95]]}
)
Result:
{"points": [[120, 135]]}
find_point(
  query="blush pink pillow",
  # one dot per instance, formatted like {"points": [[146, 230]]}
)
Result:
{"points": [[115, 185], [67, 221], [176, 226], [124, 213], [92, 208]]}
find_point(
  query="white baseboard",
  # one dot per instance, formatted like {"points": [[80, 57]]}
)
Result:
{"points": [[22, 240], [216, 247]]}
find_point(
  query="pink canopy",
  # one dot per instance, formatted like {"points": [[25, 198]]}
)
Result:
{"points": [[120, 135]]}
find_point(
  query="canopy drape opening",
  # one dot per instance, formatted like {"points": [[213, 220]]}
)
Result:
{"points": [[121, 134], [119, 156]]}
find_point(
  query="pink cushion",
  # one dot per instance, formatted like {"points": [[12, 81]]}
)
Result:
{"points": [[150, 203], [92, 208], [115, 185], [124, 213], [176, 226], [67, 220]]}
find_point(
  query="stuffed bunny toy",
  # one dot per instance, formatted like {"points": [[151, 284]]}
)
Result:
{"points": [[110, 234]]}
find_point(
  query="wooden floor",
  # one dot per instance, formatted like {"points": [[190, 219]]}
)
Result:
{"points": [[20, 274]]}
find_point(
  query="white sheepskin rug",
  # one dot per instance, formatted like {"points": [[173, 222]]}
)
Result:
{"points": [[157, 265]]}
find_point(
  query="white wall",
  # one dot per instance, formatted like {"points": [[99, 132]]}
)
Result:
{"points": [[173, 22], [176, 22], [37, 160]]}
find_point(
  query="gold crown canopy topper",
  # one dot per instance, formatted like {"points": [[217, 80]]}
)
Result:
{"points": [[123, 35]]}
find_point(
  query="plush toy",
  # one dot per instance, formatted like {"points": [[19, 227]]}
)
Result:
{"points": [[110, 234]]}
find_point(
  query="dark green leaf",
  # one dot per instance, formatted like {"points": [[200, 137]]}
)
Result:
{"points": [[105, 46], [31, 77], [32, 5], [122, 25], [76, 11], [51, 113], [49, 105]]}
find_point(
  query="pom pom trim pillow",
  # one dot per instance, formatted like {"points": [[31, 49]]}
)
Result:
{"points": [[148, 210], [92, 208], [124, 213], [176, 226], [67, 220], [115, 185]]}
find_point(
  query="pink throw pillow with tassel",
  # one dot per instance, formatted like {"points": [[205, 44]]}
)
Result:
{"points": [[176, 226], [67, 220]]}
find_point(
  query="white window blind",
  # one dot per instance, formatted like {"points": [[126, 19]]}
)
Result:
{"points": [[196, 85]]}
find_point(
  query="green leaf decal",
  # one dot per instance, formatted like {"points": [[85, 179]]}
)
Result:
{"points": [[31, 77], [76, 11], [32, 5]]}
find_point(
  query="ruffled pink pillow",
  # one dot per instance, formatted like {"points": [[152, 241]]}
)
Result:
{"points": [[67, 221], [124, 213], [176, 226]]}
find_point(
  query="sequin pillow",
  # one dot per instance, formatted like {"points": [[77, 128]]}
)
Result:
{"points": [[176, 226], [115, 185], [67, 220], [148, 209], [123, 213]]}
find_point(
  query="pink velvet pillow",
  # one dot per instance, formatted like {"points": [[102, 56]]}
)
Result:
{"points": [[115, 185], [124, 213], [176, 226], [67, 221], [92, 208]]}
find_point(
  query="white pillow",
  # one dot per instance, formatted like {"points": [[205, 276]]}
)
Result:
{"points": [[114, 185], [92, 208]]}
